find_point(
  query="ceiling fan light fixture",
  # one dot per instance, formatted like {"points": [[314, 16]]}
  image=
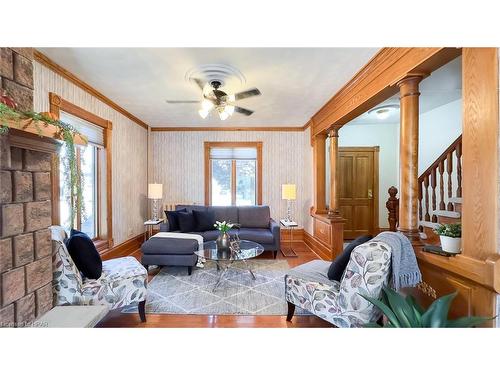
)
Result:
{"points": [[207, 104], [223, 115], [229, 109], [203, 113]]}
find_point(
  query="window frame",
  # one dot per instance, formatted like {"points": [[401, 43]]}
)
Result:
{"points": [[58, 104], [208, 169]]}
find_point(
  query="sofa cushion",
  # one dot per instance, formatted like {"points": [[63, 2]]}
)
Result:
{"points": [[205, 220], [164, 246], [254, 216], [84, 254], [186, 222], [225, 213], [190, 207], [338, 266], [258, 235], [173, 219]]}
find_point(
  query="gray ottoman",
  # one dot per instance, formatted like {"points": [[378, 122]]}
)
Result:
{"points": [[159, 251]]}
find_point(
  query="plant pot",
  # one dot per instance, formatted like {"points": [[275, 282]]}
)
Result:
{"points": [[450, 244], [222, 241]]}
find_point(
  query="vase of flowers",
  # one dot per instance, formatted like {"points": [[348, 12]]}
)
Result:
{"points": [[223, 240], [451, 237]]}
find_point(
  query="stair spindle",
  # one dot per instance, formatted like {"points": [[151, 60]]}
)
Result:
{"points": [[441, 185], [426, 186], [449, 170], [459, 169], [420, 201], [433, 194]]}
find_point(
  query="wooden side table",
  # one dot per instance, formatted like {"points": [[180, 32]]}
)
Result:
{"points": [[149, 227]]}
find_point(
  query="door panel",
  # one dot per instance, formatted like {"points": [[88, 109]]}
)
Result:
{"points": [[357, 190]]}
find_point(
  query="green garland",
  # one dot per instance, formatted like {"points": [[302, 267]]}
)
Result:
{"points": [[67, 132]]}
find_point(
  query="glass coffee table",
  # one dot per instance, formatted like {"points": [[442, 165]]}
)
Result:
{"points": [[224, 259]]}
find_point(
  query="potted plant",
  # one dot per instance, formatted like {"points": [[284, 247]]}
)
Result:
{"points": [[451, 237], [405, 312], [223, 240]]}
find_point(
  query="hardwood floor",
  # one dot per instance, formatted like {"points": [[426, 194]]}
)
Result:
{"points": [[117, 319]]}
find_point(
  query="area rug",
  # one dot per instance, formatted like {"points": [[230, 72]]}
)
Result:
{"points": [[173, 291]]}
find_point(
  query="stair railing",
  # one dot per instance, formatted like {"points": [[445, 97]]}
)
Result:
{"points": [[433, 177]]}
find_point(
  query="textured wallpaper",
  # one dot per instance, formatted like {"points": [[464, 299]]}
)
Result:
{"points": [[178, 163], [129, 170]]}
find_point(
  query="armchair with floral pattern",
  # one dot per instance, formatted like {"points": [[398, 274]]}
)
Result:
{"points": [[340, 303], [123, 281]]}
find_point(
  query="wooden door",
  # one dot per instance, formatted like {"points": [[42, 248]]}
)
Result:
{"points": [[358, 191]]}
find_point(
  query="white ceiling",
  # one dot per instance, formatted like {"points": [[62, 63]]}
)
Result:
{"points": [[295, 82], [443, 86]]}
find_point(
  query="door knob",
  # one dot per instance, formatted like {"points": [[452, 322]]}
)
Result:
{"points": [[370, 193]]}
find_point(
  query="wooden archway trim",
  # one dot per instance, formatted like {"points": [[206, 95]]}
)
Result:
{"points": [[58, 104]]}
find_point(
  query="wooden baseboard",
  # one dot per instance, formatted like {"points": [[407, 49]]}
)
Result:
{"points": [[124, 249], [316, 246], [297, 235]]}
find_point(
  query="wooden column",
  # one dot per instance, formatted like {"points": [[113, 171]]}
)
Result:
{"points": [[334, 173], [408, 156], [319, 158]]}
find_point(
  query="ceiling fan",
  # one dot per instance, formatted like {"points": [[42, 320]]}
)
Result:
{"points": [[218, 100]]}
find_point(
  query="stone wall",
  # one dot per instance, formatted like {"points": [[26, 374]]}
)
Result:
{"points": [[25, 208], [16, 75]]}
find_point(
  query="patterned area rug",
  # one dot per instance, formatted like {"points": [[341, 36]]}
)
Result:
{"points": [[173, 291]]}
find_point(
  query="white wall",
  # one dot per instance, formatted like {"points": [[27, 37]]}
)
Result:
{"points": [[438, 129], [178, 163], [386, 136]]}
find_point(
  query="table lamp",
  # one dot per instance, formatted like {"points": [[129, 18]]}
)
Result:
{"points": [[288, 192], [155, 192]]}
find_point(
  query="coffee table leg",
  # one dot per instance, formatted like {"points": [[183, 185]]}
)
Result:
{"points": [[249, 269]]}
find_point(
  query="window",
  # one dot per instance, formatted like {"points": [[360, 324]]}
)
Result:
{"points": [[87, 160], [233, 173], [94, 163]]}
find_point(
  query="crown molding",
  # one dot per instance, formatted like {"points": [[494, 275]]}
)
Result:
{"points": [[228, 128], [47, 62]]}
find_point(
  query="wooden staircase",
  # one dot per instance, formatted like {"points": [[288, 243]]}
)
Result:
{"points": [[439, 194]]}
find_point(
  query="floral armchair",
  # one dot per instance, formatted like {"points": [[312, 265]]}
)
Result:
{"points": [[340, 303], [123, 281]]}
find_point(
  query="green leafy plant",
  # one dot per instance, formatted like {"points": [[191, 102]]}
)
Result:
{"points": [[10, 116], [223, 226], [405, 312], [449, 230]]}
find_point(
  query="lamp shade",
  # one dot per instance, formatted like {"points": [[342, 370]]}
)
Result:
{"points": [[288, 191], [155, 191]]}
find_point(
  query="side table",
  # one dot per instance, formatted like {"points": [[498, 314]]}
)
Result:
{"points": [[289, 252], [149, 224]]}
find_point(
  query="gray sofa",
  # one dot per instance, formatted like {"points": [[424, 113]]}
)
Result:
{"points": [[255, 222]]}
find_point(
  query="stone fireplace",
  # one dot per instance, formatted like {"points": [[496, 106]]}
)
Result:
{"points": [[25, 204]]}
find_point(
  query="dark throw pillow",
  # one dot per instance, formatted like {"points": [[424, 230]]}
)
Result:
{"points": [[186, 222], [84, 254], [205, 220], [338, 266], [173, 219]]}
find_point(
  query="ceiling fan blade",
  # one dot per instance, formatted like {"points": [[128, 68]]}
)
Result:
{"points": [[182, 101], [243, 111], [199, 83], [247, 94]]}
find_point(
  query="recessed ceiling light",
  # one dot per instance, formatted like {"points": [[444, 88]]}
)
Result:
{"points": [[384, 111]]}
